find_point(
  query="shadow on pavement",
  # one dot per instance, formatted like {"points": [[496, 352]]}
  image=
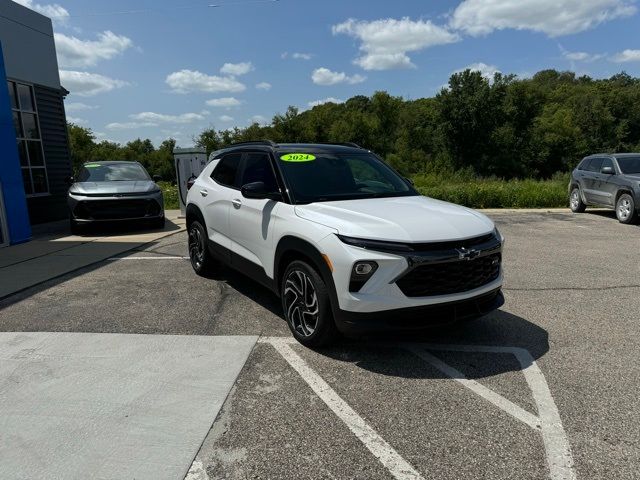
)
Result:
{"points": [[380, 353]]}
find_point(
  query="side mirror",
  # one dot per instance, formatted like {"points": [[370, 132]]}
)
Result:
{"points": [[607, 170], [157, 178], [70, 180], [258, 191]]}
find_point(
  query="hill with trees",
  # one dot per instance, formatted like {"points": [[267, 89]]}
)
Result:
{"points": [[475, 128]]}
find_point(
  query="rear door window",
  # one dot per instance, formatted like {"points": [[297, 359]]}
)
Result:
{"points": [[226, 172]]}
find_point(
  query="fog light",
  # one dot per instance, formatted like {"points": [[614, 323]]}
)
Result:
{"points": [[363, 268], [360, 274]]}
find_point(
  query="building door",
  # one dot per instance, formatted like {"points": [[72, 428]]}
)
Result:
{"points": [[4, 235]]}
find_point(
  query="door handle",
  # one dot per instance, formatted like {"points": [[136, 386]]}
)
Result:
{"points": [[236, 203], [204, 193]]}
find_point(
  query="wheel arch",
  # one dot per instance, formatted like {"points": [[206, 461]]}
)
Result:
{"points": [[291, 248], [621, 191], [194, 213]]}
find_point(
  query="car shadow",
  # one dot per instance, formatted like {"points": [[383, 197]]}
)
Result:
{"points": [[385, 353]]}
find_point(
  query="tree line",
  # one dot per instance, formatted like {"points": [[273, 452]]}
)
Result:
{"points": [[504, 127]]}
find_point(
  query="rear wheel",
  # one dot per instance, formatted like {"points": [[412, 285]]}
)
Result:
{"points": [[201, 259], [306, 304], [575, 201], [626, 209]]}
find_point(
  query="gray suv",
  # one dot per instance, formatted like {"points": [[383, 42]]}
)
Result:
{"points": [[607, 180]]}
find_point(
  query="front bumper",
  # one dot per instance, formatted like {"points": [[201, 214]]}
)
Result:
{"points": [[418, 318], [383, 293], [96, 209]]}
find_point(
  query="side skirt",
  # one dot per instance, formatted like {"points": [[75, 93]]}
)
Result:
{"points": [[242, 265]]}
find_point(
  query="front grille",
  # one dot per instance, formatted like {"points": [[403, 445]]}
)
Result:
{"points": [[450, 277], [116, 209]]}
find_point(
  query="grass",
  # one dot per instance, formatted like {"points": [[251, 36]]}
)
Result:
{"points": [[494, 192], [465, 189], [170, 193]]}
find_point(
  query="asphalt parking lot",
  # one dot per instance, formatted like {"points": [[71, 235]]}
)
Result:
{"points": [[547, 387]]}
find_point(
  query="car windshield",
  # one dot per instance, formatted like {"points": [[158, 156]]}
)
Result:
{"points": [[112, 172], [629, 164], [322, 177]]}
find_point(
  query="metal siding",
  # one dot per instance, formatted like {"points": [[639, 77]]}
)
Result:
{"points": [[55, 143]]}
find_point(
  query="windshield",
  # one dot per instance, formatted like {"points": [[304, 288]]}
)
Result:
{"points": [[112, 172], [629, 164], [321, 177]]}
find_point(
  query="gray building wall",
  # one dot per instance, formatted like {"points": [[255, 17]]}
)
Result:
{"points": [[29, 48], [30, 57]]}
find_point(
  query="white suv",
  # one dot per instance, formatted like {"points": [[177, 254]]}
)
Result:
{"points": [[345, 241]]}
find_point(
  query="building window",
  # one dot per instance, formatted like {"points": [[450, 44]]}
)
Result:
{"points": [[25, 122]]}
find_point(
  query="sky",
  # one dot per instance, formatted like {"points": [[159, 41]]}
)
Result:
{"points": [[172, 68]]}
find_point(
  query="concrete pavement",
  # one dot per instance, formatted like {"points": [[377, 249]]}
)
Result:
{"points": [[107, 406], [52, 254]]}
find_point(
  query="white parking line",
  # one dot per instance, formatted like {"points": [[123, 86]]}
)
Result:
{"points": [[384, 452], [547, 422], [486, 393], [163, 257], [556, 445]]}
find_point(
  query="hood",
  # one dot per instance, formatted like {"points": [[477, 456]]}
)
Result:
{"points": [[632, 176], [107, 188], [404, 219]]}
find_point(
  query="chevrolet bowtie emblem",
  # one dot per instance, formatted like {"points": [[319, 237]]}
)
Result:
{"points": [[467, 254]]}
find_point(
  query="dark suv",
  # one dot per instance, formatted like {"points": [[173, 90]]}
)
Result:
{"points": [[607, 180]]}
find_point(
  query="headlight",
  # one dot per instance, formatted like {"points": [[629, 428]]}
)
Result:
{"points": [[498, 235], [377, 245]]}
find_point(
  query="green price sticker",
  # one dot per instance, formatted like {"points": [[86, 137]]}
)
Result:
{"points": [[92, 165], [297, 157]]}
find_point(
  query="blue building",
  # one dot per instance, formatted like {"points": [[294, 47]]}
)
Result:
{"points": [[35, 160]]}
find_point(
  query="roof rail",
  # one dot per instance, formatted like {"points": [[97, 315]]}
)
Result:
{"points": [[256, 142], [344, 144]]}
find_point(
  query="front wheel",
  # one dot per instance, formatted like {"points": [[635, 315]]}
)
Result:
{"points": [[626, 209], [306, 304], [575, 201]]}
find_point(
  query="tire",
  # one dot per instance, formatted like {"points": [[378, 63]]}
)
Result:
{"points": [[626, 209], [575, 201], [306, 305], [202, 261]]}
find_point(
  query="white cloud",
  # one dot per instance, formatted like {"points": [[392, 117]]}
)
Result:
{"points": [[78, 107], [129, 125], [156, 118], [487, 71], [236, 68], [76, 120], [324, 76], [297, 56], [258, 119], [226, 118], [73, 52], [57, 13], [263, 86], [386, 42], [315, 103], [185, 81], [553, 17], [626, 56], [226, 102], [582, 56], [88, 84]]}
